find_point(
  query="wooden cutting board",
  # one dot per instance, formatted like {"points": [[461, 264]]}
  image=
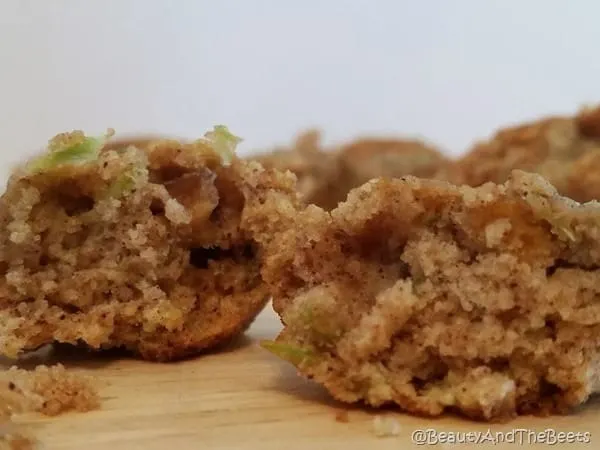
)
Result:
{"points": [[244, 398]]}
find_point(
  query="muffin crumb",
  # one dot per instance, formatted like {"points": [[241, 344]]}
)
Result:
{"points": [[342, 416], [49, 390], [385, 427]]}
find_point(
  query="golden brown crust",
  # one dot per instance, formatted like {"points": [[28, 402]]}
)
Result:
{"points": [[144, 248], [435, 297], [565, 150]]}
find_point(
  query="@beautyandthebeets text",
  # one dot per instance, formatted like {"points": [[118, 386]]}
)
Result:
{"points": [[518, 436]]}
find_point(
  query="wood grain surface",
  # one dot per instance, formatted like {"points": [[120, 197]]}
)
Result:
{"points": [[244, 398]]}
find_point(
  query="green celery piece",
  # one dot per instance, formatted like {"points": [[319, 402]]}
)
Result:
{"points": [[290, 353], [322, 329], [83, 150], [126, 182], [223, 142]]}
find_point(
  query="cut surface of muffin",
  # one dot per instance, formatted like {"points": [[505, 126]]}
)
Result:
{"points": [[433, 297], [136, 247]]}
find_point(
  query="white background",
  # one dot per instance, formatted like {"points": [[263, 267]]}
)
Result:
{"points": [[449, 71]]}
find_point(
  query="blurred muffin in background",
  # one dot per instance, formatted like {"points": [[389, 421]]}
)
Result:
{"points": [[141, 141], [368, 158], [325, 176], [316, 169], [565, 150]]}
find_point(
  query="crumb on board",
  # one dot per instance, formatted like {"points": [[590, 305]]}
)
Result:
{"points": [[16, 441], [48, 390], [11, 435], [342, 416], [51, 390], [384, 426]]}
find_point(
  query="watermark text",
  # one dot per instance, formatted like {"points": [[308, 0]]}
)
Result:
{"points": [[519, 436]]}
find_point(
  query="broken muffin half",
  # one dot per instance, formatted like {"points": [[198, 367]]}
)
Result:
{"points": [[141, 247], [434, 297]]}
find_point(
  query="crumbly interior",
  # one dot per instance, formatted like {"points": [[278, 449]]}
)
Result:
{"points": [[484, 301], [47, 390], [142, 248], [565, 150], [325, 176]]}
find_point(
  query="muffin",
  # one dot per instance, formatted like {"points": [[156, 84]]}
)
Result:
{"points": [[142, 247]]}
